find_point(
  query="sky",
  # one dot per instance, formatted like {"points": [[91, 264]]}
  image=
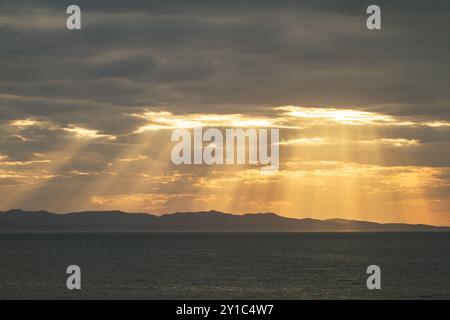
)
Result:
{"points": [[364, 116]]}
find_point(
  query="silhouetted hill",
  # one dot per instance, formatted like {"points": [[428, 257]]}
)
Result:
{"points": [[212, 221]]}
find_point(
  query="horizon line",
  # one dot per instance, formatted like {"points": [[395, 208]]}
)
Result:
{"points": [[225, 213]]}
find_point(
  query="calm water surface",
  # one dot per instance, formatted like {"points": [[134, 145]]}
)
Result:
{"points": [[225, 265]]}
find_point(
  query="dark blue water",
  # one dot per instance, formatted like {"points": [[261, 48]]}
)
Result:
{"points": [[225, 266]]}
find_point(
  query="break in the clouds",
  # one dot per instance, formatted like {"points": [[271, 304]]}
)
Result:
{"points": [[85, 116]]}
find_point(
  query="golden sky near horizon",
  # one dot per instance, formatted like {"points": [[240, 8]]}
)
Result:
{"points": [[334, 163], [364, 116]]}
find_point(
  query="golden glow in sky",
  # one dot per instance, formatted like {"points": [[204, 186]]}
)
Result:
{"points": [[335, 162]]}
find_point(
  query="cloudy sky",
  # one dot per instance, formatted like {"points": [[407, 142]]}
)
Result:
{"points": [[364, 116]]}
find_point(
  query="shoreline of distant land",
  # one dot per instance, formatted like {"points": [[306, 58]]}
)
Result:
{"points": [[17, 220]]}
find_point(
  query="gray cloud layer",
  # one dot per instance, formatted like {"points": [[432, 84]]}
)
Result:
{"points": [[205, 54]]}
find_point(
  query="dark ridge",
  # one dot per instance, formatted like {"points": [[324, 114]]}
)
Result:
{"points": [[17, 220]]}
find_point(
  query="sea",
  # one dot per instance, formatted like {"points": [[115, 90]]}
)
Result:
{"points": [[264, 266]]}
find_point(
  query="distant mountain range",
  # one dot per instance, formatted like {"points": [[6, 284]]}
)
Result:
{"points": [[211, 221]]}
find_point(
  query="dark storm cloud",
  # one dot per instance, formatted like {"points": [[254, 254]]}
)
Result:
{"points": [[189, 53], [215, 6]]}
